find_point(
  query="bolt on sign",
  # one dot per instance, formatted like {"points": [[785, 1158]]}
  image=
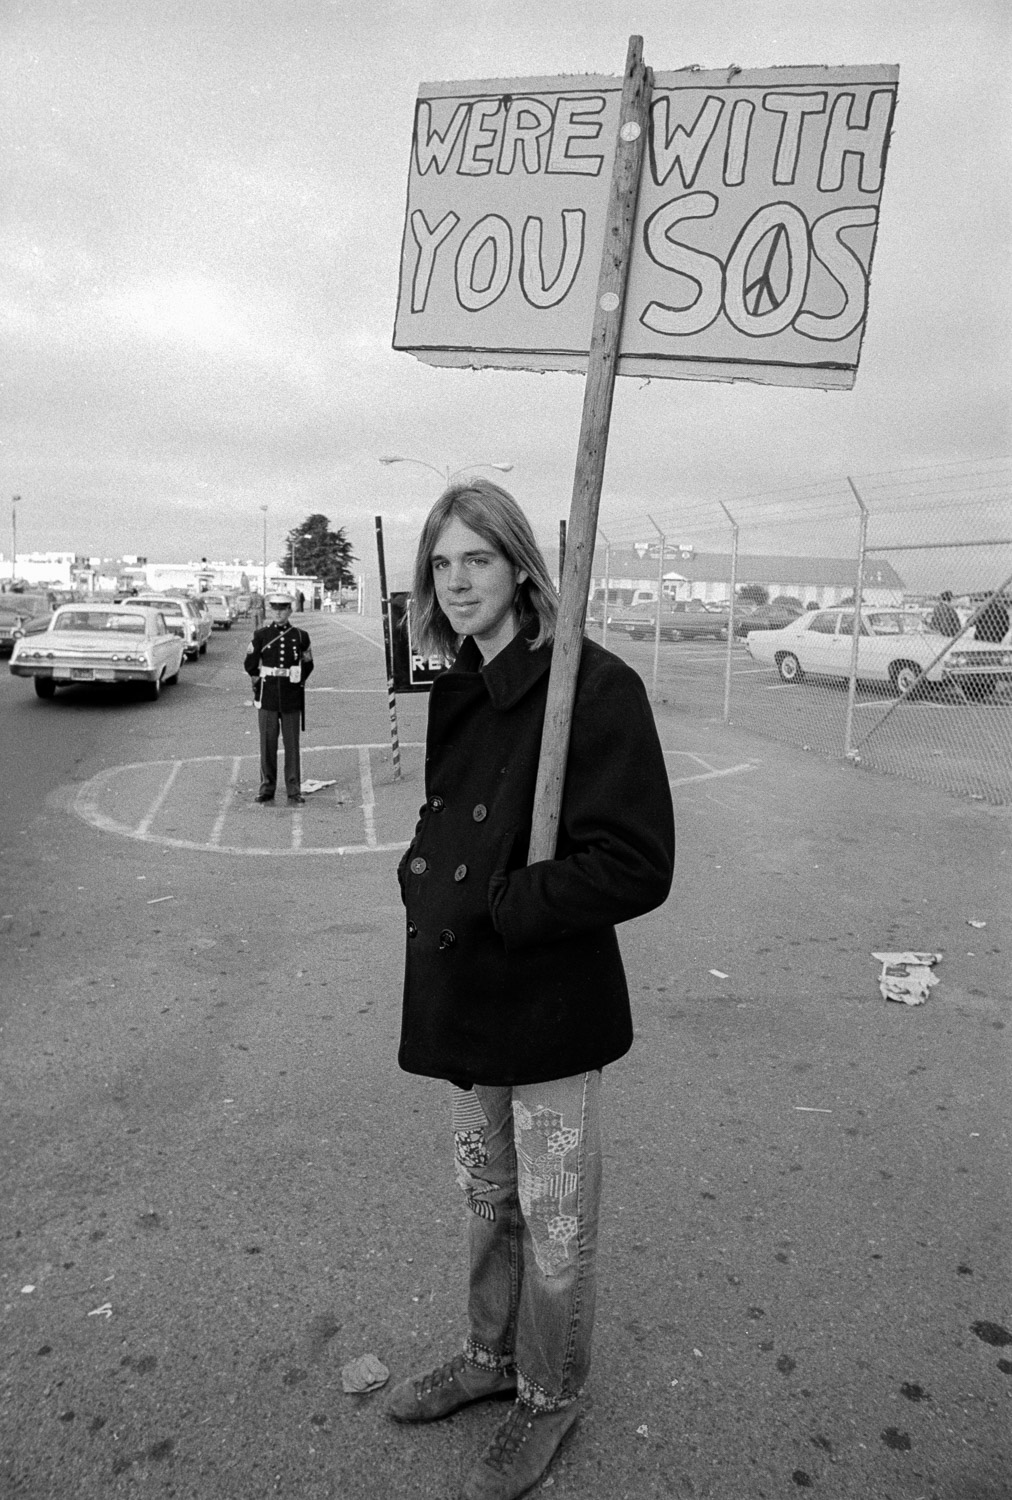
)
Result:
{"points": [[753, 238]]}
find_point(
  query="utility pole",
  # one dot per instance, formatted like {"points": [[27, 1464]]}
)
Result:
{"points": [[14, 536]]}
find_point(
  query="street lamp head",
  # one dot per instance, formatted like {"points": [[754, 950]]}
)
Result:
{"points": [[394, 459]]}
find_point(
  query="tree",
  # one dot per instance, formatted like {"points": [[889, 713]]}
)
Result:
{"points": [[312, 548], [753, 593]]}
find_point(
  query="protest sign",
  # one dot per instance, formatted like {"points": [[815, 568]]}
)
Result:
{"points": [[752, 246], [411, 671]]}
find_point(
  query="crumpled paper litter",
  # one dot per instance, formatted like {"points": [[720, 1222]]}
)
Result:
{"points": [[907, 977], [366, 1373]]}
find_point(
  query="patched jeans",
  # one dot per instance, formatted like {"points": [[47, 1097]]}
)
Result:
{"points": [[529, 1161]]}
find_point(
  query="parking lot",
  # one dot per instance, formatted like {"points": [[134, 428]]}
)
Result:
{"points": [[963, 748]]}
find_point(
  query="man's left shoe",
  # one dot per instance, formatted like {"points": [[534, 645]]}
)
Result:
{"points": [[297, 798], [520, 1453]]}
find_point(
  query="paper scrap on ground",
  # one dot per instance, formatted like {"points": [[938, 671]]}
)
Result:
{"points": [[366, 1373], [316, 786], [719, 974], [907, 977]]}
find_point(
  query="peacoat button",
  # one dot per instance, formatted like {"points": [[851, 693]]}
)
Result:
{"points": [[446, 939], [412, 930], [480, 813], [419, 865], [460, 872], [436, 804]]}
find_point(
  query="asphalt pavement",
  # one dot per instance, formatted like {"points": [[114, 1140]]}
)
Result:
{"points": [[218, 1188]]}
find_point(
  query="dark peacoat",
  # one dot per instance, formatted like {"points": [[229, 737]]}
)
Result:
{"points": [[513, 973]]}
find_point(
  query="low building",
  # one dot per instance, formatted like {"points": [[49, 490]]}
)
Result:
{"points": [[707, 576]]}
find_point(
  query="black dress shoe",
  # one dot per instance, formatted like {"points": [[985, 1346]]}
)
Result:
{"points": [[265, 797], [297, 798]]}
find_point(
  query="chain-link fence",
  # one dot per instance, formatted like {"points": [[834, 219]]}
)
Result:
{"points": [[744, 610]]}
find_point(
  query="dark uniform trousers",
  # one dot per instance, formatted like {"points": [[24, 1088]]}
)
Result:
{"points": [[288, 724]]}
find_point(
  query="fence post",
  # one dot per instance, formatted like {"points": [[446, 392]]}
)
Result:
{"points": [[657, 620], [848, 733], [607, 587], [730, 617]]}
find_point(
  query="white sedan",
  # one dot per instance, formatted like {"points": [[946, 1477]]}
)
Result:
{"points": [[894, 646], [100, 643]]}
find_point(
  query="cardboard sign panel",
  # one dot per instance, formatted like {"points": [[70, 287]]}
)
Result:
{"points": [[754, 234]]}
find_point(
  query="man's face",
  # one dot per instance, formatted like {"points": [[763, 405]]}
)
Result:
{"points": [[475, 587], [280, 612]]}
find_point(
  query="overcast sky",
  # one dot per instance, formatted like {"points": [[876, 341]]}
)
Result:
{"points": [[200, 224]]}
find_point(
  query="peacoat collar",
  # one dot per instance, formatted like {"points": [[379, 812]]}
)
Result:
{"points": [[511, 673]]}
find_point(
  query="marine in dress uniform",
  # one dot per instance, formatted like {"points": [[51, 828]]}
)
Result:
{"points": [[279, 660]]}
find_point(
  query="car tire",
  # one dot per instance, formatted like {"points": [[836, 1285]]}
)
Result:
{"points": [[191, 655], [905, 676], [789, 667], [153, 690], [203, 648], [45, 688]]}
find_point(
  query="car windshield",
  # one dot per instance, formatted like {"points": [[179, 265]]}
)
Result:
{"points": [[93, 619]]}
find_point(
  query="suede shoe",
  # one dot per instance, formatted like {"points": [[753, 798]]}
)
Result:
{"points": [[426, 1398], [520, 1453]]}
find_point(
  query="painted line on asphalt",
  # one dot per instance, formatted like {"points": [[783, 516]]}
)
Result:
{"points": [[86, 805], [708, 773], [227, 795], [149, 817], [712, 775], [362, 637], [368, 796]]}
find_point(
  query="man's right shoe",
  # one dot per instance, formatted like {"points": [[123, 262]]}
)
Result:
{"points": [[265, 797], [427, 1398]]}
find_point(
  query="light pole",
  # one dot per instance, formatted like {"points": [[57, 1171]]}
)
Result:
{"points": [[14, 536], [445, 474], [263, 576]]}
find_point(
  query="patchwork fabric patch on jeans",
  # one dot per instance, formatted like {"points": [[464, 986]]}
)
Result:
{"points": [[471, 1152], [545, 1147]]}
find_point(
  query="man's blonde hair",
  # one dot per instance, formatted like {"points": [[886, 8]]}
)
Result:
{"points": [[493, 513]]}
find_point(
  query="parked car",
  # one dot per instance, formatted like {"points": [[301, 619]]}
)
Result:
{"points": [[680, 619], [894, 646], [100, 643], [200, 604], [184, 619], [22, 614], [772, 616], [222, 609]]}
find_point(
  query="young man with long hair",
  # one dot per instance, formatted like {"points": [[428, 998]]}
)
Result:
{"points": [[514, 989]]}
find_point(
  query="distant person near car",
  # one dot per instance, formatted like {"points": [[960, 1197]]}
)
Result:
{"points": [[279, 660], [944, 618], [993, 621]]}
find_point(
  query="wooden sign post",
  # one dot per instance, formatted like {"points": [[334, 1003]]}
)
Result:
{"points": [[597, 398]]}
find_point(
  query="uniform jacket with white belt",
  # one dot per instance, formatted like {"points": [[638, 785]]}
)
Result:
{"points": [[513, 973], [277, 647]]}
